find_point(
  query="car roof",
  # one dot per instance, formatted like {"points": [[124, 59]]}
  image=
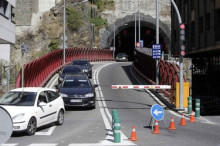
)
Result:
{"points": [[32, 89], [76, 76], [72, 66], [81, 60]]}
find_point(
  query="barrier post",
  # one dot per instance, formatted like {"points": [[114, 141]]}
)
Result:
{"points": [[117, 130], [197, 107], [189, 105], [114, 115]]}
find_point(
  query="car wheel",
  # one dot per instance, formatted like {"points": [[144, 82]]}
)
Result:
{"points": [[60, 118], [32, 126]]}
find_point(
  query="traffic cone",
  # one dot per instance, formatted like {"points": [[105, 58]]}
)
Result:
{"points": [[192, 120], [156, 128], [183, 121], [172, 124], [133, 135]]}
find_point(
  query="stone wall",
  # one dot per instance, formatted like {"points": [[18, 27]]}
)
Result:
{"points": [[23, 12]]}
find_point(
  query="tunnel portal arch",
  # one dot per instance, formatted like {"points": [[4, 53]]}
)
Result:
{"points": [[146, 20]]}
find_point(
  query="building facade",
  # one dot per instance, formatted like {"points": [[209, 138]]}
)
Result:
{"points": [[7, 28], [202, 18]]}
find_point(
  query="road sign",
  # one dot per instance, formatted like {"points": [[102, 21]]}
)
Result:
{"points": [[138, 45], [142, 43], [156, 51], [24, 48], [157, 112]]}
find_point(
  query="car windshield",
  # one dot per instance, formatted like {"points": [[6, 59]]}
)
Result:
{"points": [[18, 98], [73, 70], [76, 83], [121, 55], [81, 62]]}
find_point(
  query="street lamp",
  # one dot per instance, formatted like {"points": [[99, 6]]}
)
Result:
{"points": [[64, 29]]}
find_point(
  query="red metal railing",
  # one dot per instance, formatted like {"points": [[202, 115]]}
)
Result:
{"points": [[37, 72], [168, 72]]}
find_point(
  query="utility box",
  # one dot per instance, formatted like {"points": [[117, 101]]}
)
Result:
{"points": [[186, 86]]}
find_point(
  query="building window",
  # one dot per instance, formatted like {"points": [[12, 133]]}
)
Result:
{"points": [[192, 34], [217, 21], [3, 7], [201, 25], [13, 14], [207, 22]]}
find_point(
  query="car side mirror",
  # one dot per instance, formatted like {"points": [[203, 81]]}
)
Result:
{"points": [[91, 65], [42, 104], [95, 85], [56, 86]]}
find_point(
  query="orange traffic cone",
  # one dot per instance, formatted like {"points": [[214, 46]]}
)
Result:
{"points": [[183, 121], [172, 124], [192, 120], [133, 135], [156, 128]]}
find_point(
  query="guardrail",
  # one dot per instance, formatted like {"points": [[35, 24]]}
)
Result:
{"points": [[37, 72], [168, 73]]}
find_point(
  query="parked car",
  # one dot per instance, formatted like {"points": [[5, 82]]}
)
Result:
{"points": [[85, 65], [122, 57], [78, 91], [33, 107], [69, 69]]}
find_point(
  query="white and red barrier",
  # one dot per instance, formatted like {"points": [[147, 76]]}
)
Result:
{"points": [[141, 87]]}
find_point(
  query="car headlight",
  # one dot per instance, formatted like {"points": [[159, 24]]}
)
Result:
{"points": [[18, 117], [63, 95], [123, 57], [61, 79], [89, 95], [85, 70]]}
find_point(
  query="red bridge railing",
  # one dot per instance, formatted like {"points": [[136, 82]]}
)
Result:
{"points": [[168, 72], [37, 72]]}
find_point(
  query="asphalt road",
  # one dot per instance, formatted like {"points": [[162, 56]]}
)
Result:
{"points": [[93, 127]]}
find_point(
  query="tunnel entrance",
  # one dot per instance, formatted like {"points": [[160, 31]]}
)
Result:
{"points": [[124, 30], [125, 40]]}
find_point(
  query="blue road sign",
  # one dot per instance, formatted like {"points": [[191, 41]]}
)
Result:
{"points": [[157, 112], [142, 43], [156, 51]]}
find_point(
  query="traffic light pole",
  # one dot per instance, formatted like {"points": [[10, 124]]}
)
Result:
{"points": [[180, 61]]}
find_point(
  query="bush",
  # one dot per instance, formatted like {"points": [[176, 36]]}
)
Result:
{"points": [[74, 19], [53, 45], [98, 22]]}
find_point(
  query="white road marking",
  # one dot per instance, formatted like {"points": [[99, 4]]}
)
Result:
{"points": [[43, 144], [49, 132], [9, 144]]}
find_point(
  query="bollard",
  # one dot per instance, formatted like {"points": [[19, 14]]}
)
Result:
{"points": [[117, 130], [114, 115], [197, 108], [189, 105]]}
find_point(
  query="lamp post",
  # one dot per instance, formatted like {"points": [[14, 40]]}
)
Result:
{"points": [[64, 28], [139, 23], [64, 32], [157, 38]]}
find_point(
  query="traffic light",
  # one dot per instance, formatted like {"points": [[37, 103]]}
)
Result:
{"points": [[182, 39]]}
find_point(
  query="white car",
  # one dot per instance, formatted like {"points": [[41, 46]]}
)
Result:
{"points": [[32, 107]]}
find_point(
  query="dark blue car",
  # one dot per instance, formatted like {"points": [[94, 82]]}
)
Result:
{"points": [[85, 65], [69, 70], [77, 91]]}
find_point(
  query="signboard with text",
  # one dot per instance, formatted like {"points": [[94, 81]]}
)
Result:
{"points": [[156, 51]]}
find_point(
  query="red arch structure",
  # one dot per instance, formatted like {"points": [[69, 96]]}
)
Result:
{"points": [[37, 72]]}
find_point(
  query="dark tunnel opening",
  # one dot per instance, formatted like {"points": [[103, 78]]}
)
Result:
{"points": [[125, 40]]}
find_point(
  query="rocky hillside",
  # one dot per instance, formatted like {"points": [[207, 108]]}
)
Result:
{"points": [[49, 33]]}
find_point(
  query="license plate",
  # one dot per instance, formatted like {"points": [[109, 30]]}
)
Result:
{"points": [[76, 100]]}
